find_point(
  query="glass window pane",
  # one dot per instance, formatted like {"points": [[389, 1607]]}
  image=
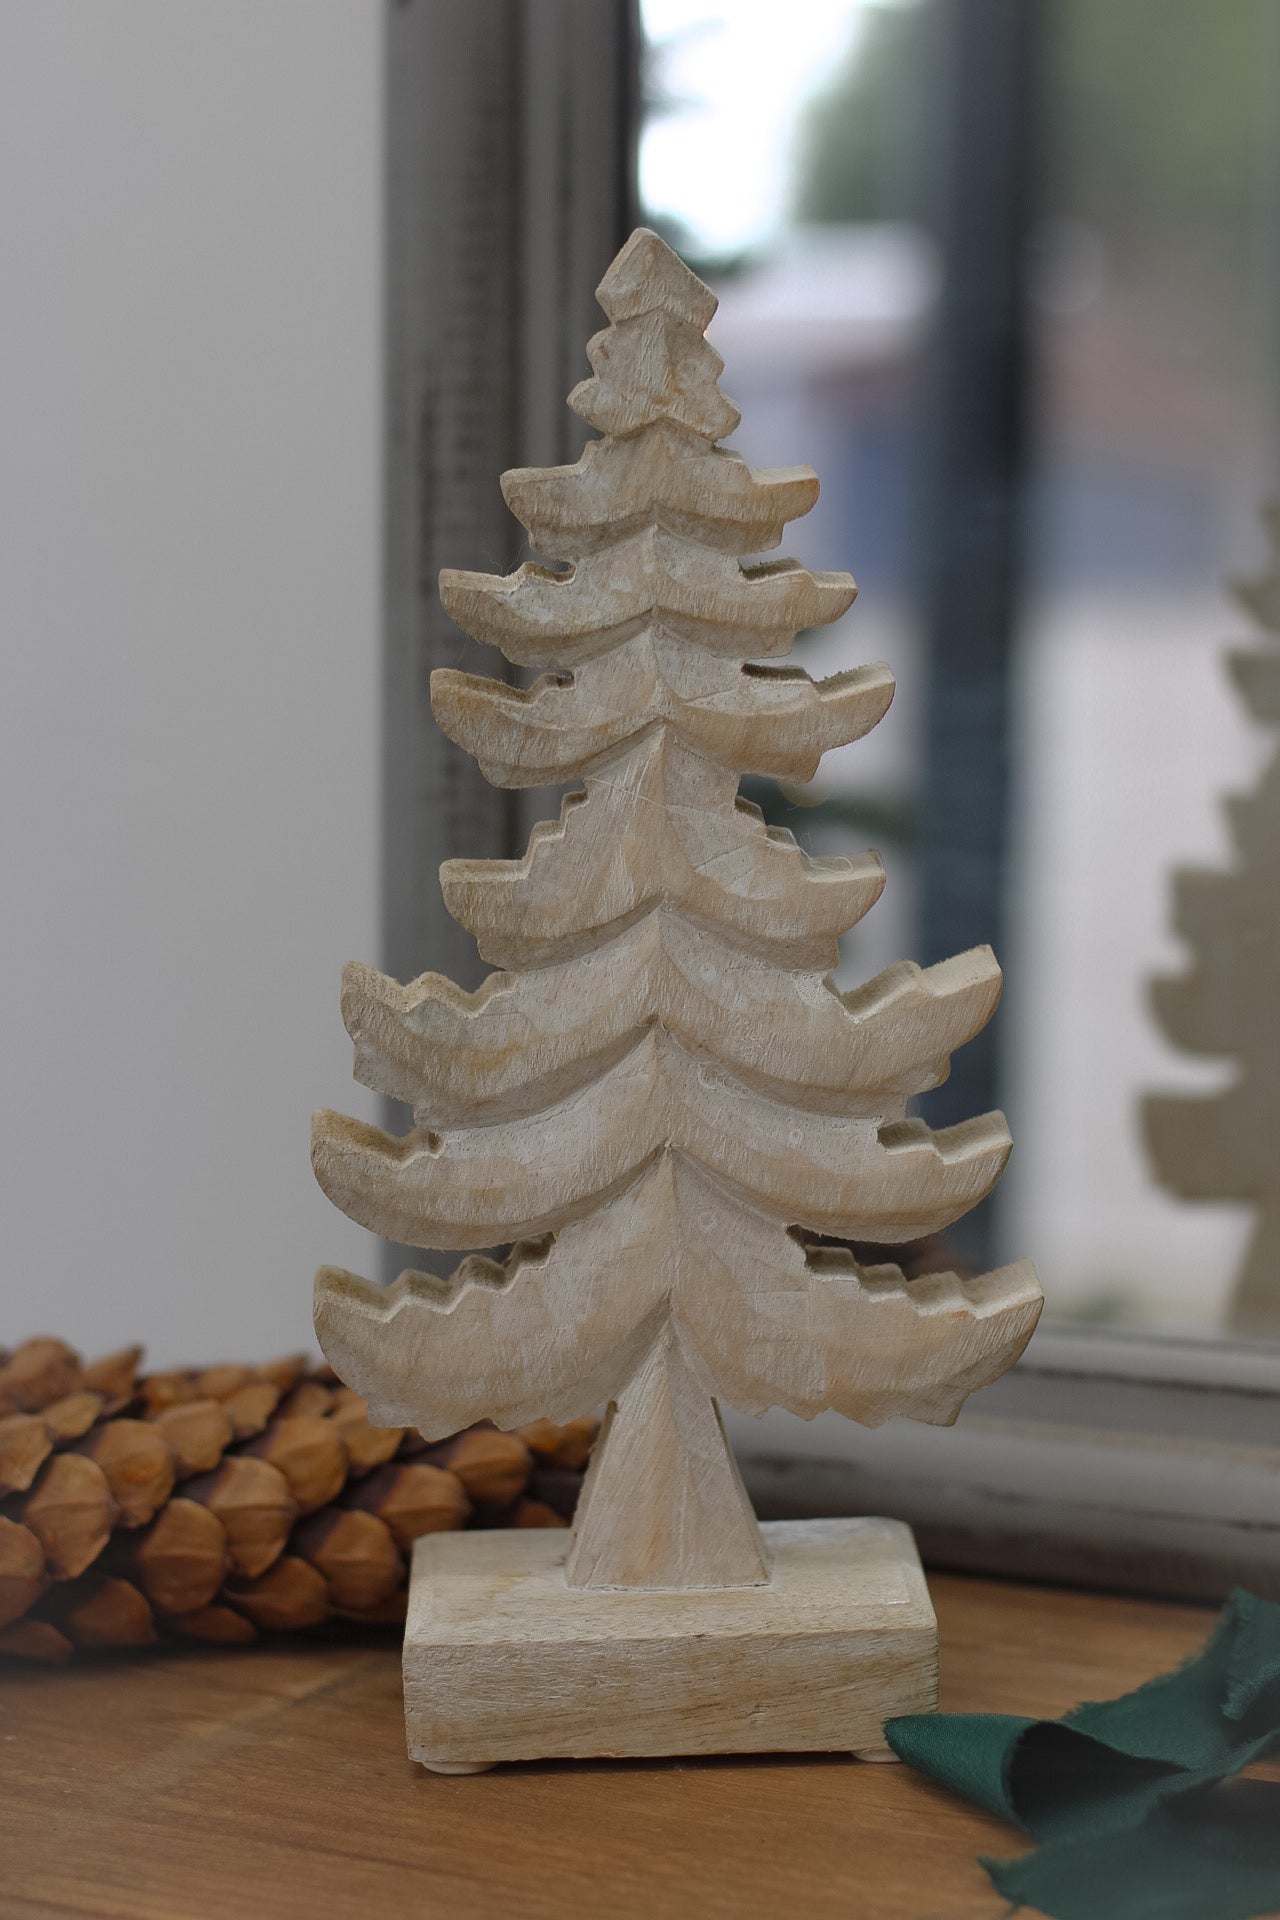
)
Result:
{"points": [[825, 287], [1155, 329], [791, 168]]}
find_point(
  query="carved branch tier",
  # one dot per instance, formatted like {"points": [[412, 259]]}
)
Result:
{"points": [[664, 1085]]}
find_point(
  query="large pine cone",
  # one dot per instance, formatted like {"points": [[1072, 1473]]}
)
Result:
{"points": [[213, 1502]]}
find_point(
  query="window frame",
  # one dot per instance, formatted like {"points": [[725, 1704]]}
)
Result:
{"points": [[1114, 1459], [1103, 1459]]}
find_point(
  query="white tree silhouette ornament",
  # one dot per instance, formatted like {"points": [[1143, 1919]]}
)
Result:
{"points": [[662, 1100]]}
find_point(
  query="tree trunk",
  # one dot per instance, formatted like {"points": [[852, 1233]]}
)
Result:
{"points": [[663, 1504]]}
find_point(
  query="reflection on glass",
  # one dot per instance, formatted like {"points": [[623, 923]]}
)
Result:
{"points": [[782, 152], [824, 295], [1155, 333]]}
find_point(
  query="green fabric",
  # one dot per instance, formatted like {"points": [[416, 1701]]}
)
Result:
{"points": [[1132, 1800]]}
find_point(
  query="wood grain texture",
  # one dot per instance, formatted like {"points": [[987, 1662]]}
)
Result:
{"points": [[270, 1781], [1222, 1146], [662, 1460], [503, 1661], [662, 1092]]}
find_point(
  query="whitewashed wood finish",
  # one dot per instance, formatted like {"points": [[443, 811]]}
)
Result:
{"points": [[663, 1085], [504, 1661], [1223, 1146], [564, 1324], [662, 1460]]}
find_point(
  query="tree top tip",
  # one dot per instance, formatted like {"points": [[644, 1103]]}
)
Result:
{"points": [[647, 275]]}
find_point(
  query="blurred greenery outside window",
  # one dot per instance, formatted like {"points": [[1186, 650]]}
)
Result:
{"points": [[788, 157]]}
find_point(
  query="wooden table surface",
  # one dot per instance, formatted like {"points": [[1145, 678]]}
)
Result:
{"points": [[271, 1783]]}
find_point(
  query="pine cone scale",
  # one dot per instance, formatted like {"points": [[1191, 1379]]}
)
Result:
{"points": [[216, 1503]]}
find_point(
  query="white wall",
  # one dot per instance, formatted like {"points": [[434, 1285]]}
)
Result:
{"points": [[189, 281]]}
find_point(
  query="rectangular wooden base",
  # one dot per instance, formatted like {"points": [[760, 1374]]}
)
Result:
{"points": [[504, 1661]]}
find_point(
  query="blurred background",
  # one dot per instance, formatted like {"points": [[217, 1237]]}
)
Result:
{"points": [[1110, 268], [1017, 303]]}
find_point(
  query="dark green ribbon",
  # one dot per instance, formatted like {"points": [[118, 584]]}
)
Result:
{"points": [[1132, 1800]]}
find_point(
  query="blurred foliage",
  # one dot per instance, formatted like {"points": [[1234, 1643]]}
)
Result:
{"points": [[1159, 114], [715, 268], [659, 100], [885, 819], [861, 140], [1115, 1303], [1161, 109]]}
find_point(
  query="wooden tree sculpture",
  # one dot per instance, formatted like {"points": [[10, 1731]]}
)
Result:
{"points": [[663, 1099], [1222, 1147]]}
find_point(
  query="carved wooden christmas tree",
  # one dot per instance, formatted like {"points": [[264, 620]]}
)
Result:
{"points": [[658, 1101], [1223, 1146]]}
